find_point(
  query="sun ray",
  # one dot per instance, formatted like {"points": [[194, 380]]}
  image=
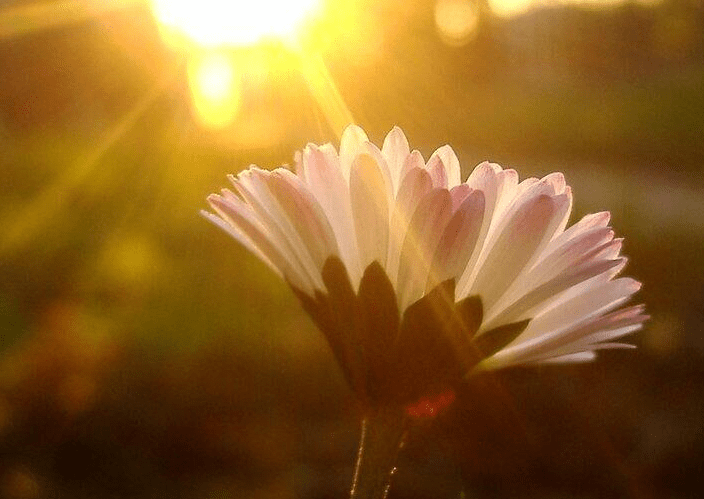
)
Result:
{"points": [[24, 225], [325, 92]]}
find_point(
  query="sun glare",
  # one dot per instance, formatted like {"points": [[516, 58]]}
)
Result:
{"points": [[213, 32], [217, 23], [215, 92]]}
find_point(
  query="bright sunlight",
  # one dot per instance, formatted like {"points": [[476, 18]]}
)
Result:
{"points": [[214, 85], [207, 29], [214, 23]]}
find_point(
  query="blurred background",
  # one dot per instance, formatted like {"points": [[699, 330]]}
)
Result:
{"points": [[144, 354]]}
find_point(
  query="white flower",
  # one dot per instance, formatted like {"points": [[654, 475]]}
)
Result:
{"points": [[417, 278]]}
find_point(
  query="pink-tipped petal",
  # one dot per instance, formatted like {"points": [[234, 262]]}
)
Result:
{"points": [[514, 248], [413, 161], [437, 171], [305, 215], [459, 240], [243, 224], [450, 164]]}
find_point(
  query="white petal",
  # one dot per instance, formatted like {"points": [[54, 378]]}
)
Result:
{"points": [[544, 330], [351, 144], [573, 341], [305, 214], [540, 298], [325, 179], [413, 161], [239, 221], [459, 193], [574, 351], [525, 195], [252, 185], [557, 181], [375, 153], [459, 240], [498, 362], [585, 286], [560, 227], [565, 258], [415, 185], [586, 224], [225, 222], [484, 179], [524, 233], [370, 209], [299, 166], [424, 232], [572, 358], [437, 171], [610, 326], [395, 151], [506, 188], [568, 254], [450, 163], [602, 337], [498, 187]]}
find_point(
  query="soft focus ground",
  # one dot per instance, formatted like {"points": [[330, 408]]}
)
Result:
{"points": [[144, 354]]}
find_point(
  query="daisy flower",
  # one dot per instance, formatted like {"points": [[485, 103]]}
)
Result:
{"points": [[419, 279]]}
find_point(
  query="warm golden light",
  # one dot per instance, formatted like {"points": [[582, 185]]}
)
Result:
{"points": [[213, 23], [215, 89], [21, 18], [215, 33], [508, 8], [456, 21]]}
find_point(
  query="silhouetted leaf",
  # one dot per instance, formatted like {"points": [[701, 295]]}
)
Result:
{"points": [[426, 357], [470, 313], [344, 313], [379, 318], [320, 311]]}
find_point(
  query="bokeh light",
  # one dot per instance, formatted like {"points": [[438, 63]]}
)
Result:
{"points": [[512, 8], [456, 21]]}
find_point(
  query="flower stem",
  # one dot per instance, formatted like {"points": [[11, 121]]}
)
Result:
{"points": [[383, 433]]}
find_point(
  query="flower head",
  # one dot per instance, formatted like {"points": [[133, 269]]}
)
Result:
{"points": [[418, 279]]}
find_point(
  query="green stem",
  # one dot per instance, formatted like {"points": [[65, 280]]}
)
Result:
{"points": [[383, 433]]}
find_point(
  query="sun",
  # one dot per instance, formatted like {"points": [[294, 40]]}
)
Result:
{"points": [[218, 23], [212, 32]]}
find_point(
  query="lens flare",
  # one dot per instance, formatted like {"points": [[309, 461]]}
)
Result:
{"points": [[215, 89]]}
